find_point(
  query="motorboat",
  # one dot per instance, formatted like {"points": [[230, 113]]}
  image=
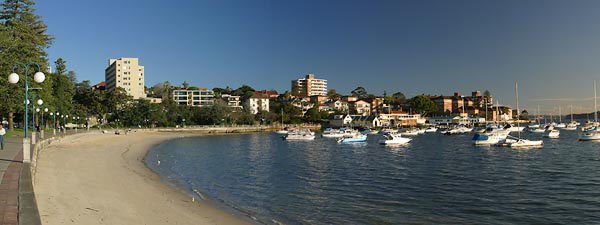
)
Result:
{"points": [[349, 133], [490, 136], [354, 139], [409, 132], [368, 131], [459, 130], [533, 126], [300, 135], [431, 130], [393, 139], [284, 131], [590, 135], [332, 133], [552, 134], [421, 131], [560, 125], [536, 130]]}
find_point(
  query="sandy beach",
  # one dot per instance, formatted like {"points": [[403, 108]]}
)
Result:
{"points": [[101, 179]]}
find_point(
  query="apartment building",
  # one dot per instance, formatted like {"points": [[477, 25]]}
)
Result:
{"points": [[232, 101], [309, 86], [198, 98], [125, 73]]}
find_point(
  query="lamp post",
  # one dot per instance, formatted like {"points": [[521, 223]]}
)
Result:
{"points": [[54, 125], [13, 78], [76, 119]]}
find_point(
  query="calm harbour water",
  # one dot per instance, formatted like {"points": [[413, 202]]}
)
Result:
{"points": [[435, 179]]}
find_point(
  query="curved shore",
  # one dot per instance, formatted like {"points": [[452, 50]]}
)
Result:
{"points": [[102, 179]]}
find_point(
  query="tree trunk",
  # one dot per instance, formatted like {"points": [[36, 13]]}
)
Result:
{"points": [[10, 121]]}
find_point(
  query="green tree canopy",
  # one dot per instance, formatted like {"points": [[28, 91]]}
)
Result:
{"points": [[422, 104]]}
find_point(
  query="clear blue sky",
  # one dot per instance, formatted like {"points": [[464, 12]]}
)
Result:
{"points": [[437, 47]]}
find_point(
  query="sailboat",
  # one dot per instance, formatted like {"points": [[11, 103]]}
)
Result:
{"points": [[592, 133], [572, 125], [560, 123], [284, 130], [520, 142]]}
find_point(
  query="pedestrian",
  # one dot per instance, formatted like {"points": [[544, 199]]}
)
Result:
{"points": [[2, 133]]}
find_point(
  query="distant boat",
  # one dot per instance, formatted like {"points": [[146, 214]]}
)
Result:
{"points": [[552, 134], [520, 143], [353, 139], [490, 136], [332, 133], [282, 132], [393, 139], [590, 131], [461, 129], [300, 135], [409, 132], [431, 130]]}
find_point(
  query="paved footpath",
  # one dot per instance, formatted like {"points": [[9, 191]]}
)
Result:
{"points": [[10, 170], [11, 159]]}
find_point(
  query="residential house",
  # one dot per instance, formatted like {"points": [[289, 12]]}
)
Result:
{"points": [[361, 107], [271, 93], [366, 121], [339, 105], [257, 103], [399, 118], [340, 121]]}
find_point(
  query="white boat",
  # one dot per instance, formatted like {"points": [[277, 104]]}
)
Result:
{"points": [[537, 130], [533, 126], [515, 129], [409, 132], [590, 130], [590, 135], [490, 136], [431, 130], [368, 131], [353, 139], [521, 143], [393, 139], [421, 131], [332, 133], [571, 126], [349, 133], [560, 125], [552, 134], [524, 143], [459, 130], [282, 132], [300, 135]]}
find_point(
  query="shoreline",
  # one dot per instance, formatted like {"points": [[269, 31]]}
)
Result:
{"points": [[103, 179]]}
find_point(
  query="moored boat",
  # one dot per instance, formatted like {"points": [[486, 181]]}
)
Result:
{"points": [[354, 139], [393, 139]]}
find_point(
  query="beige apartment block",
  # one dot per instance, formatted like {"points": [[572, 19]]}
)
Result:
{"points": [[126, 73]]}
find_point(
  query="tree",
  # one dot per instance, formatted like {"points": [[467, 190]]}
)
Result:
{"points": [[422, 104], [332, 94], [63, 88], [360, 92], [23, 39]]}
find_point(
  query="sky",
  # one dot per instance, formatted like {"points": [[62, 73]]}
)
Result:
{"points": [[551, 47]]}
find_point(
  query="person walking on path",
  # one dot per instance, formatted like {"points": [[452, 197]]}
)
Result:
{"points": [[2, 133]]}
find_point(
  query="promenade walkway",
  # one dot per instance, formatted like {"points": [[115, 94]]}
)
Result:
{"points": [[16, 181]]}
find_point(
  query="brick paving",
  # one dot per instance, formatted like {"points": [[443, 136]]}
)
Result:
{"points": [[9, 189]]}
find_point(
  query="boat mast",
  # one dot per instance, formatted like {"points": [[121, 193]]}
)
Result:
{"points": [[559, 114], [517, 95], [595, 104], [571, 113]]}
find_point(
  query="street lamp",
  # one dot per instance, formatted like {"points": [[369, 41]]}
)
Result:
{"points": [[13, 78]]}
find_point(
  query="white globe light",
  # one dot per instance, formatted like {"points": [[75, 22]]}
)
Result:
{"points": [[57, 113], [52, 114], [37, 109], [45, 109], [27, 101], [13, 78], [39, 77], [40, 102]]}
